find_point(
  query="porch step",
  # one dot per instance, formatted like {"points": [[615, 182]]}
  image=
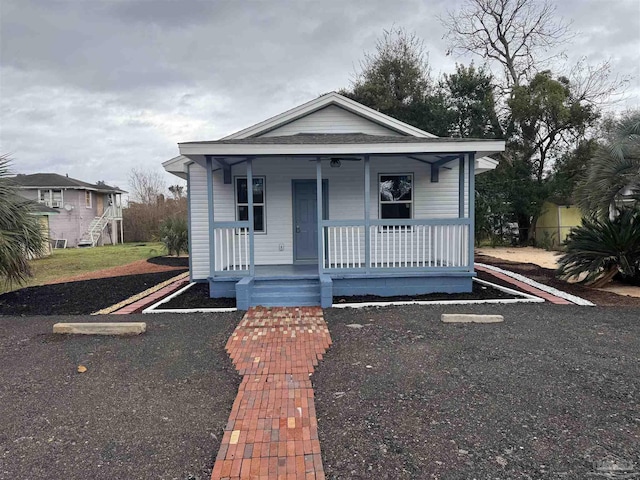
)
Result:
{"points": [[286, 293]]}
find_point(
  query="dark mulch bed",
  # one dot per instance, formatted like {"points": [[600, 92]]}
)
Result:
{"points": [[547, 276], [547, 394], [78, 298], [480, 292], [197, 296], [149, 407], [170, 261]]}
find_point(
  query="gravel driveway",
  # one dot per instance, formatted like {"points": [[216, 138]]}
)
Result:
{"points": [[149, 407], [552, 393]]}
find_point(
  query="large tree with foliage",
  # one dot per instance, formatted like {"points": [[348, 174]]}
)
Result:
{"points": [[471, 102], [21, 236], [395, 80], [543, 117]]}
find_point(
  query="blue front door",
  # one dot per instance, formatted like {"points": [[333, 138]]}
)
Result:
{"points": [[305, 221]]}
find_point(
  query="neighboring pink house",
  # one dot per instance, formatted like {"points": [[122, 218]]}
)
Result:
{"points": [[90, 214]]}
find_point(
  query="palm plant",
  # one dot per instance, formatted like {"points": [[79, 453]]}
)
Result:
{"points": [[601, 248], [174, 233], [612, 176], [21, 236]]}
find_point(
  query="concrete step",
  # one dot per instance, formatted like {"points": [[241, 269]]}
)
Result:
{"points": [[286, 293]]}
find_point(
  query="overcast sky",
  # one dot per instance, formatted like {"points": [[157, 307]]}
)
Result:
{"points": [[94, 88]]}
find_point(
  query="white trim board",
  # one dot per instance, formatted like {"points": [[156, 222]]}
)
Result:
{"points": [[153, 308], [545, 288], [526, 298], [482, 148]]}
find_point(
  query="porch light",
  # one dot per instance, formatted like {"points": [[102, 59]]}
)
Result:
{"points": [[335, 163]]}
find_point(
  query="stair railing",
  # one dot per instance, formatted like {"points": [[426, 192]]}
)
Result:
{"points": [[98, 227]]}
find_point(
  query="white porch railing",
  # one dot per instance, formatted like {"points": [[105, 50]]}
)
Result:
{"points": [[231, 247], [396, 244]]}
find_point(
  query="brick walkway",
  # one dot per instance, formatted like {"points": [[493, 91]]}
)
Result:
{"points": [[272, 430]]}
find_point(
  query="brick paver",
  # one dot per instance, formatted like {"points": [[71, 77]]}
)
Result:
{"points": [[549, 297], [152, 298], [272, 430]]}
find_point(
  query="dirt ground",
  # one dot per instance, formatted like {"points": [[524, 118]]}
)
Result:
{"points": [[550, 393], [153, 265], [546, 260], [148, 407], [533, 255]]}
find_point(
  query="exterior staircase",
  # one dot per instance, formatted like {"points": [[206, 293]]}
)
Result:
{"points": [[96, 227], [294, 292]]}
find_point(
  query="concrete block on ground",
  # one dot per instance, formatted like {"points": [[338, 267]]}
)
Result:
{"points": [[470, 318], [102, 328]]}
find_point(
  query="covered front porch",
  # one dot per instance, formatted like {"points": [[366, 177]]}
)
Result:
{"points": [[339, 243]]}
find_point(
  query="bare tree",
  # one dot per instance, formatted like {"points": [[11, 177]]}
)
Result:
{"points": [[521, 35], [146, 186]]}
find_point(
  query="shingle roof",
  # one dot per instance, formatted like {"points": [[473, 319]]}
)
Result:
{"points": [[55, 180], [335, 138]]}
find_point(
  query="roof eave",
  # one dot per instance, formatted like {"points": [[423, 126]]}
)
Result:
{"points": [[177, 166], [482, 149]]}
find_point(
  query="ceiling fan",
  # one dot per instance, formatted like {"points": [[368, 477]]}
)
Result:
{"points": [[335, 162]]}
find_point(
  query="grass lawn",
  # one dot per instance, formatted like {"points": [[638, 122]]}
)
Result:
{"points": [[74, 261]]}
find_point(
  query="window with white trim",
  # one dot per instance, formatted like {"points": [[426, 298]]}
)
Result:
{"points": [[87, 198], [259, 202], [396, 196], [51, 198]]}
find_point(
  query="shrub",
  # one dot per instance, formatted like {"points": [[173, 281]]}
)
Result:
{"points": [[174, 233], [601, 248]]}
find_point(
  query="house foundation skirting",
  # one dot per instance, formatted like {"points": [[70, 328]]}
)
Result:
{"points": [[319, 291]]}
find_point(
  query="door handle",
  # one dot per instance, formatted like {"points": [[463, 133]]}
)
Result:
{"points": [[297, 228]]}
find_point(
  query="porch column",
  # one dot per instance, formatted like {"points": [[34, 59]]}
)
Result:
{"points": [[472, 206], [212, 238], [252, 266], [319, 203], [461, 187], [367, 214]]}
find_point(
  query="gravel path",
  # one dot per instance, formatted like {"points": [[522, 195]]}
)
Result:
{"points": [[149, 406], [548, 394]]}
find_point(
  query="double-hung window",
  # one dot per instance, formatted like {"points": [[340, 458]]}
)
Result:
{"points": [[259, 202], [87, 198], [51, 198], [396, 196]]}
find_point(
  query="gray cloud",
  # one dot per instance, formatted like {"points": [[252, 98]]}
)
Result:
{"points": [[95, 88]]}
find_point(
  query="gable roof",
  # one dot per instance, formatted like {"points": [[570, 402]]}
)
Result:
{"points": [[253, 141], [321, 102], [54, 180]]}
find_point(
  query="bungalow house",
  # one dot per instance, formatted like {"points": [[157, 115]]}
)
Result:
{"points": [[89, 214], [331, 198]]}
